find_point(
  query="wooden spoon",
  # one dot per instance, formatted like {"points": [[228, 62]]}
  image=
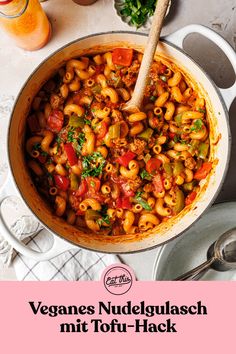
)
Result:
{"points": [[134, 104]]}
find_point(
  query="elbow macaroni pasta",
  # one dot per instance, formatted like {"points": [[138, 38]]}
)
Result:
{"points": [[108, 171]]}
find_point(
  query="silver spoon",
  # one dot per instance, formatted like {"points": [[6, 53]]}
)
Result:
{"points": [[221, 256]]}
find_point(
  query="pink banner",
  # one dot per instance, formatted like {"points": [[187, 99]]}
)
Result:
{"points": [[55, 317]]}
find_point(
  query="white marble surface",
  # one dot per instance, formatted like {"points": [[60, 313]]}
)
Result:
{"points": [[70, 21]]}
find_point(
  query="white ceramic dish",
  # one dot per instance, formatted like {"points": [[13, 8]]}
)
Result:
{"points": [[118, 5], [190, 249], [218, 101]]}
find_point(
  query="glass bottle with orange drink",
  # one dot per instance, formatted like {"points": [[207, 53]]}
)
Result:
{"points": [[26, 22]]}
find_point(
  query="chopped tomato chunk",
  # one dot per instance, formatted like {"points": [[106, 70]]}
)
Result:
{"points": [[127, 190], [102, 130], [162, 69], [55, 121], [71, 155], [124, 203], [126, 158], [203, 171], [119, 202], [122, 56], [190, 198], [158, 183], [93, 184], [153, 165], [62, 182], [171, 135]]}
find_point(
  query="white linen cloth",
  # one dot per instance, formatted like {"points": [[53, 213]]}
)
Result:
{"points": [[75, 264]]}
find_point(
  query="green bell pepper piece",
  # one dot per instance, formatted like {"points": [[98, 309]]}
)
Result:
{"points": [[179, 202], [203, 150], [73, 182], [92, 214], [178, 168], [146, 134], [188, 187], [76, 122], [114, 131], [178, 119], [168, 169]]}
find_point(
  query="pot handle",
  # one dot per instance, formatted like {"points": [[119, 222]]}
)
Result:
{"points": [[178, 37], [59, 246]]}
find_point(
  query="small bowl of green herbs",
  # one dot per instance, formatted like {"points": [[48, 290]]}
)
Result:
{"points": [[137, 13]]}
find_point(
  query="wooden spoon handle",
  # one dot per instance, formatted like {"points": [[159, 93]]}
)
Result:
{"points": [[136, 101]]}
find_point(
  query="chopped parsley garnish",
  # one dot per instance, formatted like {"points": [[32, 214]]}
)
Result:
{"points": [[201, 110], [49, 176], [79, 142], [58, 141], [104, 219], [70, 136], [81, 139], [87, 121], [176, 138], [93, 165], [145, 175], [139, 194], [141, 201], [37, 146], [153, 98], [138, 11], [197, 125]]}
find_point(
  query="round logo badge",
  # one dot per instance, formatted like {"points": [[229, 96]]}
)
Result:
{"points": [[117, 280]]}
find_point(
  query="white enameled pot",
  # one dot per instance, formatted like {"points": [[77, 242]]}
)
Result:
{"points": [[218, 103]]}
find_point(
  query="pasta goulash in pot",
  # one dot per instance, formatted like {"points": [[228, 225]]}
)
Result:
{"points": [[107, 170]]}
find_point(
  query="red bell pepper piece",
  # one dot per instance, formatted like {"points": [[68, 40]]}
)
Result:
{"points": [[126, 158], [82, 188], [62, 182], [203, 171], [122, 56], [71, 155], [190, 198]]}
